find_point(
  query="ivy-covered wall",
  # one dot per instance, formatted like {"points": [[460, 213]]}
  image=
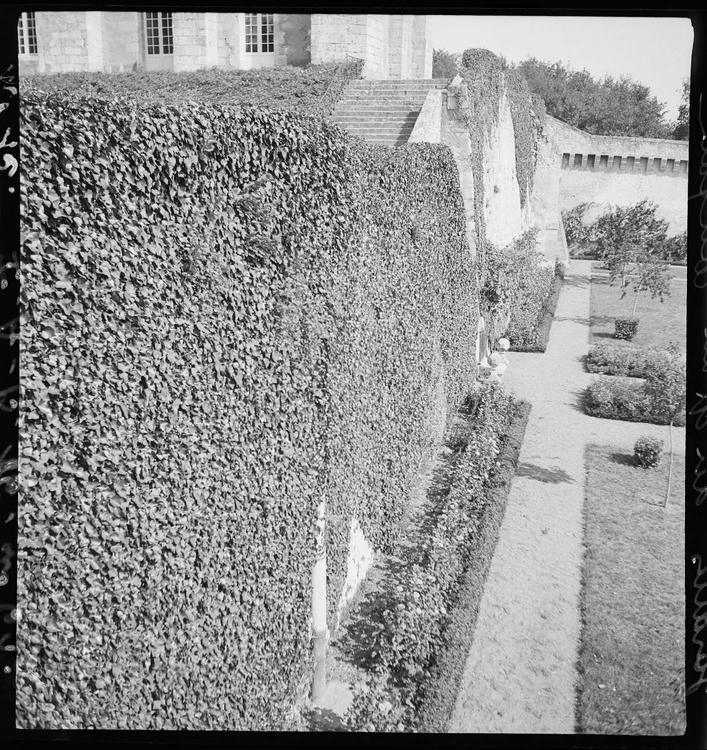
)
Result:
{"points": [[227, 315]]}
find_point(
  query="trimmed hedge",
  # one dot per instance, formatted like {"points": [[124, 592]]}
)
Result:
{"points": [[227, 316], [294, 89], [619, 398], [452, 547], [626, 361], [536, 340]]}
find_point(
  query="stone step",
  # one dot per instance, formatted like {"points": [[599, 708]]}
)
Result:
{"points": [[393, 82], [374, 111], [390, 100], [386, 127], [358, 94], [381, 117]]}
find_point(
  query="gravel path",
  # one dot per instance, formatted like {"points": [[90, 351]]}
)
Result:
{"points": [[520, 673]]}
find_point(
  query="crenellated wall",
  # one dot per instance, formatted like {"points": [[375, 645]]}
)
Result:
{"points": [[620, 171]]}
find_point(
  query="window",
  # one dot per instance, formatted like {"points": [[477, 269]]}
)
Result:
{"points": [[259, 32], [158, 33], [27, 34]]}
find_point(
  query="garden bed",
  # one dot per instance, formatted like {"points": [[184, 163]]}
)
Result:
{"points": [[415, 632], [631, 660], [443, 688]]}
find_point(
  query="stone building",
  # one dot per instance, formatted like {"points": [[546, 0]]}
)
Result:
{"points": [[392, 46]]}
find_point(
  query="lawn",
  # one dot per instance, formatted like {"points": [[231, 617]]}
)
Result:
{"points": [[631, 659], [660, 323]]}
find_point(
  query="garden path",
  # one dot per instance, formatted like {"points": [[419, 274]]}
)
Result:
{"points": [[520, 673]]}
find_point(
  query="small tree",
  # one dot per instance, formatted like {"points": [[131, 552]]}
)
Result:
{"points": [[665, 389], [630, 240]]}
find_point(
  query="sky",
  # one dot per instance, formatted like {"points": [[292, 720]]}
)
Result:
{"points": [[653, 51]]}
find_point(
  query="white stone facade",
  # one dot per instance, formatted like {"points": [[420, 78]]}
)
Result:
{"points": [[107, 41]]}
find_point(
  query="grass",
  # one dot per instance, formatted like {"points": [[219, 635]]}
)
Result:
{"points": [[631, 660], [660, 323]]}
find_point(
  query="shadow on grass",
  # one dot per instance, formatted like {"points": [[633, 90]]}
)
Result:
{"points": [[624, 459], [541, 474]]}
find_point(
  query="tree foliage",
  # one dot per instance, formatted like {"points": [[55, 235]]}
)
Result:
{"points": [[682, 124], [444, 64], [630, 240], [604, 107]]}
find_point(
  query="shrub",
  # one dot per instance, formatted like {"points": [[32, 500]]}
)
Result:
{"points": [[665, 387], [625, 361], [625, 328], [226, 319], [675, 249], [578, 233], [647, 451], [612, 398], [517, 292], [619, 398]]}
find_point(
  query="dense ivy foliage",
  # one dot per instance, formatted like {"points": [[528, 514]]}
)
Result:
{"points": [[293, 89], [487, 79], [228, 315]]}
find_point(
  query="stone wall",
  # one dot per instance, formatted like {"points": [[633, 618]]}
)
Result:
{"points": [[620, 171], [544, 203], [121, 40], [196, 40], [292, 39], [62, 42], [335, 35], [502, 209]]}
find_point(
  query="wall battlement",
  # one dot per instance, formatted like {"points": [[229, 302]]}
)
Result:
{"points": [[625, 164]]}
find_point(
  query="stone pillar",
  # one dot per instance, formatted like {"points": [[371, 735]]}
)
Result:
{"points": [[395, 58], [422, 49]]}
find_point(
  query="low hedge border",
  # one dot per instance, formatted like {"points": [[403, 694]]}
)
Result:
{"points": [[624, 361], [441, 694], [408, 687], [542, 332]]}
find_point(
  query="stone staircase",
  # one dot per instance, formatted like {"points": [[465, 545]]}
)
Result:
{"points": [[383, 112]]}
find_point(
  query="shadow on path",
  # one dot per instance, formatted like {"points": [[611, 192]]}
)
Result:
{"points": [[555, 475]]}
